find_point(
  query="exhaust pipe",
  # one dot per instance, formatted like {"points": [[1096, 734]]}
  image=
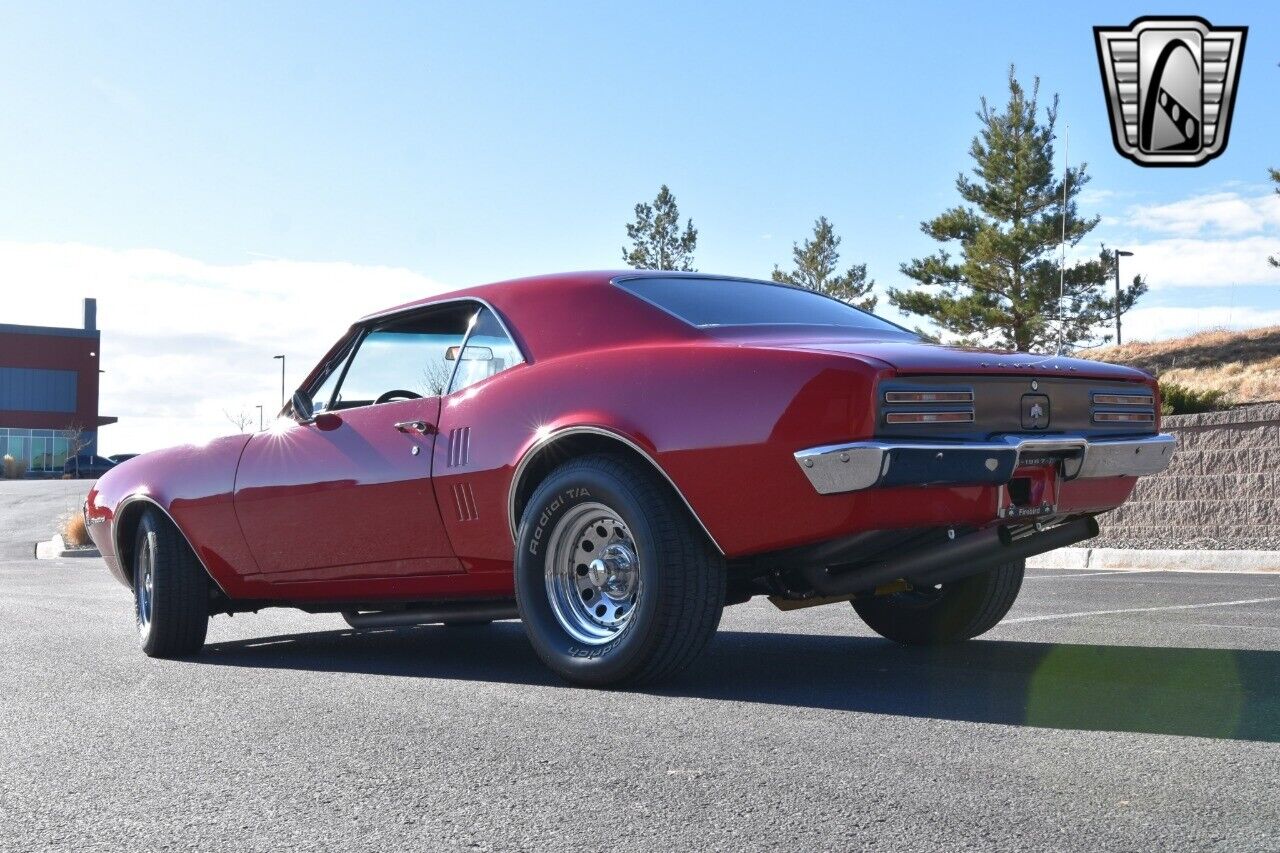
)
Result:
{"points": [[480, 611], [966, 556], [1013, 548]]}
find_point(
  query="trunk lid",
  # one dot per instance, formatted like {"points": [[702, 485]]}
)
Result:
{"points": [[911, 357]]}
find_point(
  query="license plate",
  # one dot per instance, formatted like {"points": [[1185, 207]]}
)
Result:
{"points": [[1031, 493]]}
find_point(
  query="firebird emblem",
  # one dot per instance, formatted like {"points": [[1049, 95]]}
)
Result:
{"points": [[1035, 411], [1170, 85]]}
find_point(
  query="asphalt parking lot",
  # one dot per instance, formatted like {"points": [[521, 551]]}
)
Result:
{"points": [[1132, 711]]}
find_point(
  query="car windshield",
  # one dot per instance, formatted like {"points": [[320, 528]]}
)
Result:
{"points": [[711, 302]]}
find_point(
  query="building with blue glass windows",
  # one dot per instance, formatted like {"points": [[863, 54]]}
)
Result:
{"points": [[49, 392]]}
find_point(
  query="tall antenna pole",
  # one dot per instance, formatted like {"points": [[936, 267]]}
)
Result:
{"points": [[1062, 259]]}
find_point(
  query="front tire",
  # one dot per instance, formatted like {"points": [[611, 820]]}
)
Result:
{"points": [[170, 590], [615, 582], [955, 611]]}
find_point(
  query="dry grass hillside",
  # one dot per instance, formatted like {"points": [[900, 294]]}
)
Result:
{"points": [[1243, 365]]}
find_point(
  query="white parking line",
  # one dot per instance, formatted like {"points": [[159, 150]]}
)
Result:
{"points": [[1052, 616], [1099, 573]]}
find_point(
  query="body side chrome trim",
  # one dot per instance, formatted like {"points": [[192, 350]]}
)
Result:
{"points": [[546, 441], [836, 468], [115, 536]]}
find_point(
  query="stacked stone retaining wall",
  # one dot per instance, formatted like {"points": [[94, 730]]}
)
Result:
{"points": [[1220, 492]]}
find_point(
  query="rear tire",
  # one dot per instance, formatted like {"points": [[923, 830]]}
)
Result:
{"points": [[955, 611], [170, 590], [615, 582]]}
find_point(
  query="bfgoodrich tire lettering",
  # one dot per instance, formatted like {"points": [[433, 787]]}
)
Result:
{"points": [[661, 611], [955, 611], [170, 590]]}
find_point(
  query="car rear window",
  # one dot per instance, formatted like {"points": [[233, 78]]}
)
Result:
{"points": [[711, 302]]}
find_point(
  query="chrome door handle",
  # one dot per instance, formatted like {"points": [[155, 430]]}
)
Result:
{"points": [[418, 426]]}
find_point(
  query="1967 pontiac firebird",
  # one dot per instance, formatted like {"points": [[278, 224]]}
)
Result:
{"points": [[614, 457]]}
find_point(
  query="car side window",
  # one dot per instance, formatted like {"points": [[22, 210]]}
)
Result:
{"points": [[488, 351], [404, 358]]}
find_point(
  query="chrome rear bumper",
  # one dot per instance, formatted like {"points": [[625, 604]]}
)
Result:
{"points": [[836, 468]]}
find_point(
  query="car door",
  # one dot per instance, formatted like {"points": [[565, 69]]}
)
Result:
{"points": [[348, 494]]}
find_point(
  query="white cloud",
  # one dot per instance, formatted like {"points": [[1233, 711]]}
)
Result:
{"points": [[1195, 262], [1092, 196], [1225, 213], [1158, 323], [184, 340], [1220, 239]]}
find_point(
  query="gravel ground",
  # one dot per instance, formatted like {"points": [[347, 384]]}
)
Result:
{"points": [[1130, 711]]}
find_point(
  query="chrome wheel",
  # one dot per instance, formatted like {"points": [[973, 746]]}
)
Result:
{"points": [[592, 573], [144, 586]]}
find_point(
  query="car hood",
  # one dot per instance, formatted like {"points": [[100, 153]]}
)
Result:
{"points": [[915, 357]]}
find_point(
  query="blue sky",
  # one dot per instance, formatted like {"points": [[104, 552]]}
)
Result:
{"points": [[300, 150]]}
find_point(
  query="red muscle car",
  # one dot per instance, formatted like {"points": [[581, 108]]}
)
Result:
{"points": [[614, 457]]}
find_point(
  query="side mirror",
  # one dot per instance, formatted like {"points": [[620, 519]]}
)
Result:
{"points": [[470, 352], [303, 409]]}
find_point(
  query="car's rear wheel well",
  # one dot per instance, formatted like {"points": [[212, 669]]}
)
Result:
{"points": [[561, 448]]}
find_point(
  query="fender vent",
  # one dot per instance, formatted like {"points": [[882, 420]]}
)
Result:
{"points": [[459, 447], [465, 502]]}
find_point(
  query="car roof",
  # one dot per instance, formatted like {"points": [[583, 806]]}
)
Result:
{"points": [[561, 313], [548, 285]]}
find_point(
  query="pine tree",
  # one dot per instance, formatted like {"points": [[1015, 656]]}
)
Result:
{"points": [[1004, 287], [656, 240], [1274, 260], [816, 261]]}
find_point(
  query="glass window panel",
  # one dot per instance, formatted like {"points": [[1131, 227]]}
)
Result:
{"points": [[60, 446], [324, 393], [407, 355], [707, 302], [488, 352], [39, 461]]}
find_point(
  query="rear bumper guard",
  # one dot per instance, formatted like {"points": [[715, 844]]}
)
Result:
{"points": [[837, 468]]}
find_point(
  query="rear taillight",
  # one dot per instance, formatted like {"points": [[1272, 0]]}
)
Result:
{"points": [[892, 397], [1124, 417], [929, 417], [929, 406], [1123, 400], [1119, 408]]}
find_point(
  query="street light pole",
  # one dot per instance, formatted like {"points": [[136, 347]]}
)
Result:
{"points": [[282, 374], [259, 417], [1120, 253]]}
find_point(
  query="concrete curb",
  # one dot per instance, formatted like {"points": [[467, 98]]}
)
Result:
{"points": [[1173, 560], [56, 549]]}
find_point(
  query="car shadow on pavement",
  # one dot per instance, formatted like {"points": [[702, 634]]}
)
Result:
{"points": [[1218, 693]]}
